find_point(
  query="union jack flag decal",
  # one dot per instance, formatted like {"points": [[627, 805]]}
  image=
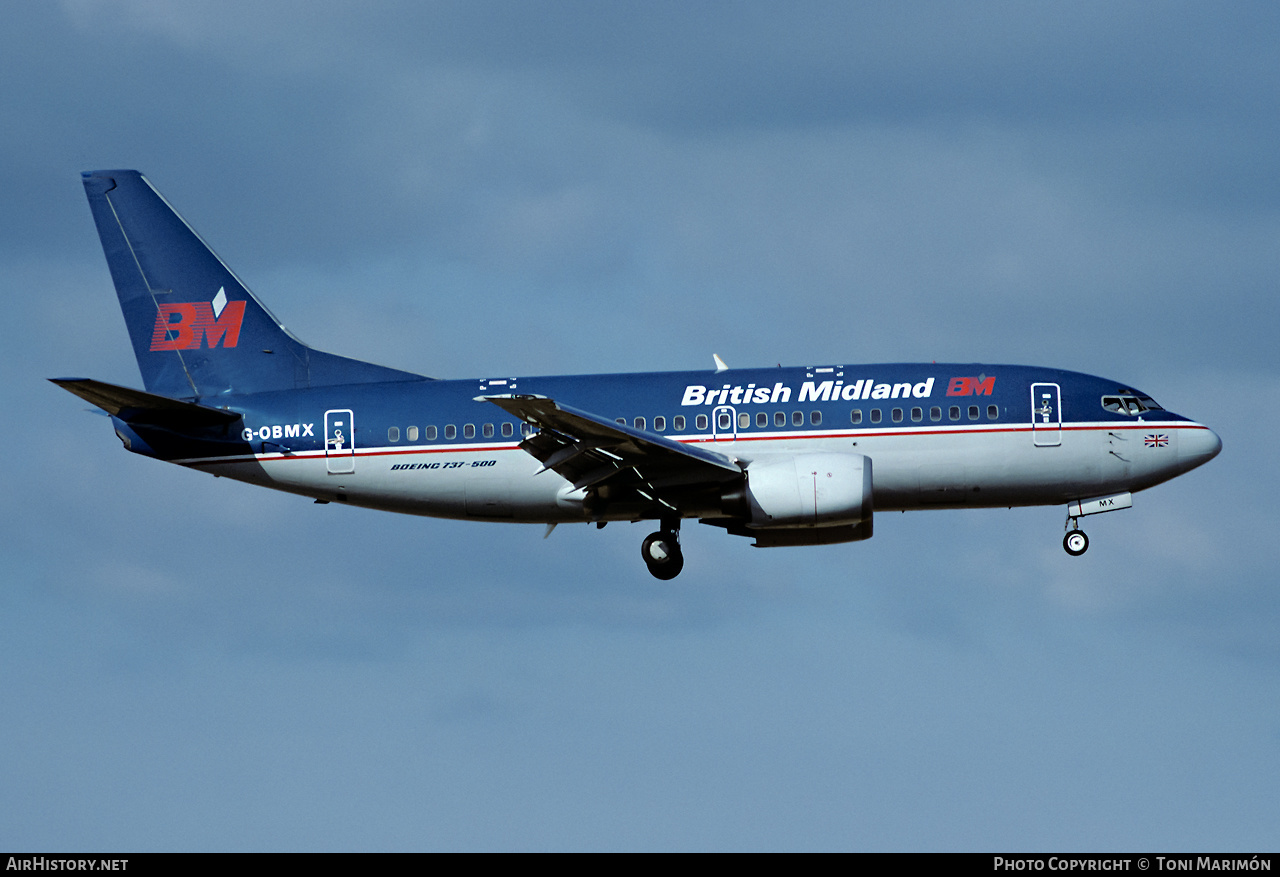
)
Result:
{"points": [[1156, 440]]}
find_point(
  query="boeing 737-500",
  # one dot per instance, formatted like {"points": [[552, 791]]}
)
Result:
{"points": [[784, 456]]}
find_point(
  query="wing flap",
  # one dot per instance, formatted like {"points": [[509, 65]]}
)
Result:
{"points": [[603, 434], [602, 456]]}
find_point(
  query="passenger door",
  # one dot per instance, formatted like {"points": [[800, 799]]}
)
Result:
{"points": [[340, 441], [1046, 415]]}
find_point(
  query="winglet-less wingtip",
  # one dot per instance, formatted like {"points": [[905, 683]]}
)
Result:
{"points": [[720, 366]]}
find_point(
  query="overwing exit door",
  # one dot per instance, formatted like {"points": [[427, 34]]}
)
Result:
{"points": [[724, 424]]}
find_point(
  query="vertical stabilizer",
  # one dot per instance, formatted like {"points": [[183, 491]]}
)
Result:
{"points": [[197, 331]]}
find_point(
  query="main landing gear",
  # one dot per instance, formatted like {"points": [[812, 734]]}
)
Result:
{"points": [[661, 551]]}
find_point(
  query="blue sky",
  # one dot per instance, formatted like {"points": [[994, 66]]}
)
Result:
{"points": [[464, 189]]}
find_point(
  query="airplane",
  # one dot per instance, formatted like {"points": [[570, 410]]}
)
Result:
{"points": [[784, 456]]}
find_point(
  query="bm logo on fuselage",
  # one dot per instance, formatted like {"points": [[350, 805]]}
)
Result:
{"points": [[195, 324], [979, 386]]}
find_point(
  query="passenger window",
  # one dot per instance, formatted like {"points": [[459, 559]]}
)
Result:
{"points": [[700, 422], [679, 422], [723, 420], [431, 433], [469, 430], [856, 415], [815, 417], [526, 429], [973, 412], [993, 413], [954, 412], [488, 430], [897, 415], [393, 434], [411, 434], [779, 418], [917, 414], [638, 423], [507, 429], [659, 424], [450, 431], [762, 419], [935, 413], [744, 420], [875, 415], [797, 418], [621, 420]]}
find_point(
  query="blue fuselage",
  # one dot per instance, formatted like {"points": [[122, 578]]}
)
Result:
{"points": [[939, 435]]}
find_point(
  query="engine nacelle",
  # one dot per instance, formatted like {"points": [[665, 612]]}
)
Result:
{"points": [[808, 490]]}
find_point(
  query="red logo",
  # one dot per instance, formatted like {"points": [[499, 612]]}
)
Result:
{"points": [[979, 386], [187, 326]]}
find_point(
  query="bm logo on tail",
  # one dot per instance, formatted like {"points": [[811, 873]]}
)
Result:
{"points": [[188, 325]]}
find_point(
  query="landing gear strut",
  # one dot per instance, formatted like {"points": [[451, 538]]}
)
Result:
{"points": [[661, 551]]}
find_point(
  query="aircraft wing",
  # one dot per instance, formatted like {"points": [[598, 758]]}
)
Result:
{"points": [[599, 455]]}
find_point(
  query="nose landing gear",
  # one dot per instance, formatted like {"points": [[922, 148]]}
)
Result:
{"points": [[1075, 542], [661, 552]]}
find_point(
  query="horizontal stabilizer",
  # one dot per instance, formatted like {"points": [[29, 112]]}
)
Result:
{"points": [[135, 406]]}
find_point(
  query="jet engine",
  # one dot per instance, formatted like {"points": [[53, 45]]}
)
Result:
{"points": [[805, 492]]}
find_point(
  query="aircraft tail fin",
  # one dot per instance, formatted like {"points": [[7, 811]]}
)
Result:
{"points": [[197, 330]]}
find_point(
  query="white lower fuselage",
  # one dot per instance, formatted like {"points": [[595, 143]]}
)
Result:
{"points": [[915, 467]]}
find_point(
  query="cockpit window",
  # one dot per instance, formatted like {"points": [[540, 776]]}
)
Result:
{"points": [[1130, 402]]}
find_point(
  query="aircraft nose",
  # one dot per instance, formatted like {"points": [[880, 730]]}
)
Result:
{"points": [[1198, 446]]}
